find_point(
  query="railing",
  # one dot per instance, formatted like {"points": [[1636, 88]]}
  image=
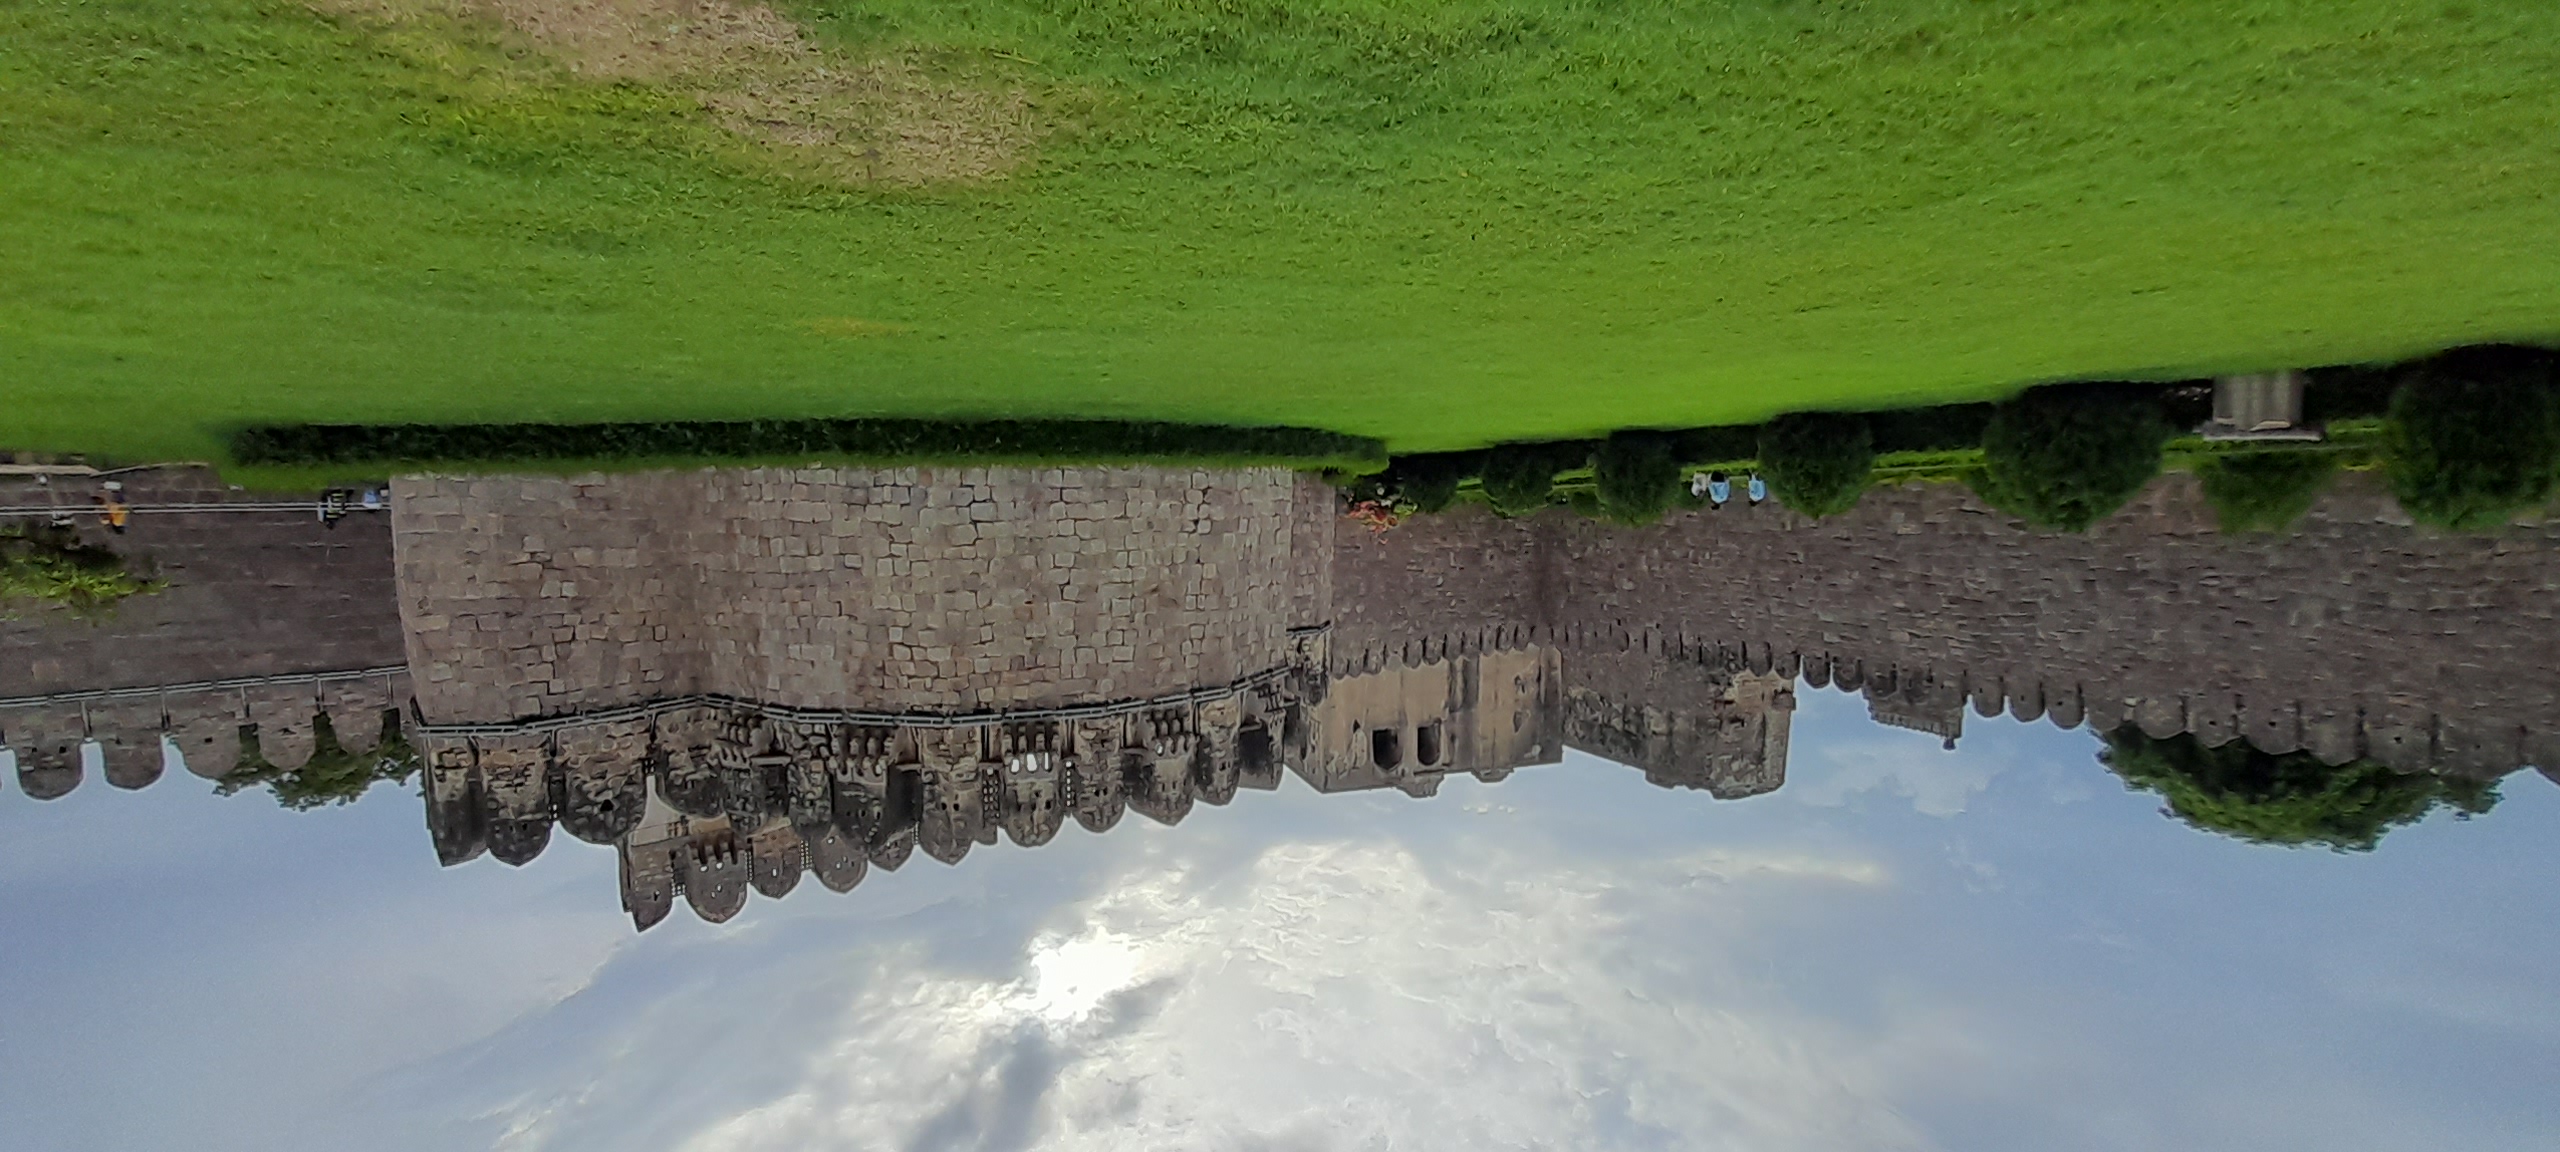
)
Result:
{"points": [[238, 682]]}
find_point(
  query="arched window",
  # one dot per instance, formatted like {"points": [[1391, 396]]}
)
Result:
{"points": [[1386, 747], [1426, 744]]}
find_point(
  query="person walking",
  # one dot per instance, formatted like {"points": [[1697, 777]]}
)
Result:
{"points": [[112, 510]]}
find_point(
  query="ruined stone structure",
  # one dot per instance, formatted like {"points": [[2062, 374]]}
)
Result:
{"points": [[737, 677]]}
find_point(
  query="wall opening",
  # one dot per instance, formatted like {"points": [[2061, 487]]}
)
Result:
{"points": [[1426, 744], [1386, 747]]}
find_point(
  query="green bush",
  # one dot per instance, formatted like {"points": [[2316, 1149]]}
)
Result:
{"points": [[882, 441], [1520, 479], [335, 774], [2264, 491], [50, 565], [2473, 437], [1637, 475], [1430, 480], [1817, 462], [1724, 444], [2291, 799], [1942, 428], [2067, 456], [2358, 392]]}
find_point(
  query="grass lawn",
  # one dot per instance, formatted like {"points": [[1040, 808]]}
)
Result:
{"points": [[1440, 222]]}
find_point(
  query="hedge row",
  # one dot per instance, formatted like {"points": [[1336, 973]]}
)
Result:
{"points": [[868, 440], [2472, 435]]}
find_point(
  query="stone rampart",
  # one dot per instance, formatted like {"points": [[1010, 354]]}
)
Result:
{"points": [[2354, 635], [932, 590]]}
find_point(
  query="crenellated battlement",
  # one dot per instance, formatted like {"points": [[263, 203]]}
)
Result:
{"points": [[2353, 636], [134, 737], [709, 800]]}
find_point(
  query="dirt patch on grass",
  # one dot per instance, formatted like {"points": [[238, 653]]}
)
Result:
{"points": [[883, 121]]}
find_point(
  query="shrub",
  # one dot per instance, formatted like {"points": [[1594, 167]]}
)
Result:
{"points": [[1946, 427], [2292, 799], [2349, 393], [1817, 462], [1637, 475], [2264, 491], [2473, 437], [1519, 479], [1429, 481], [2067, 456], [882, 441], [334, 774], [1724, 444]]}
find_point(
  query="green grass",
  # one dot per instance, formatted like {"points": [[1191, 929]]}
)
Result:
{"points": [[1441, 223]]}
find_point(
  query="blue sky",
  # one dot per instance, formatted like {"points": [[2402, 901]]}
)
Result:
{"points": [[1993, 948]]}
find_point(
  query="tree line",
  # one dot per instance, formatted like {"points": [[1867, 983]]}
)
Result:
{"points": [[2470, 438]]}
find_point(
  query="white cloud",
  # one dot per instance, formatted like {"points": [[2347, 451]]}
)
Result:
{"points": [[1936, 782], [1329, 995]]}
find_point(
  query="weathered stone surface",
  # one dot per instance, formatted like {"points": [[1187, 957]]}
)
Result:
{"points": [[648, 660], [946, 590], [2438, 641]]}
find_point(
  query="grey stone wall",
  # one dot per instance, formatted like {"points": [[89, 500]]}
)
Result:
{"points": [[970, 590], [2353, 635], [946, 590]]}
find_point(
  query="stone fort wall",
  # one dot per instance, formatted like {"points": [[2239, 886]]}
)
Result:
{"points": [[967, 590], [2353, 635], [926, 590]]}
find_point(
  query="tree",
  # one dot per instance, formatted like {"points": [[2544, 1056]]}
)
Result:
{"points": [[2291, 798], [2068, 455], [1638, 475], [2264, 491], [1519, 479], [1817, 463], [333, 775], [2473, 437], [1430, 480]]}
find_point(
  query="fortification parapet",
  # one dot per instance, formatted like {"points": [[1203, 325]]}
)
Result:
{"points": [[2353, 635]]}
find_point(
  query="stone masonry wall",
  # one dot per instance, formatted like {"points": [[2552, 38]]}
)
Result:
{"points": [[2353, 635], [945, 590]]}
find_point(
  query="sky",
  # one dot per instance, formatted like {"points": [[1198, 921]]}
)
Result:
{"points": [[1997, 947]]}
